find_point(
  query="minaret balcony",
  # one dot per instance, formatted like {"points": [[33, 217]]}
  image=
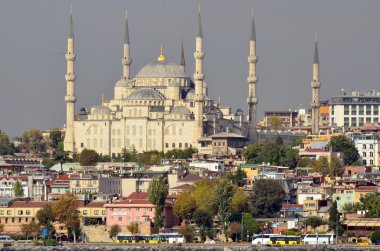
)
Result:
{"points": [[315, 104], [199, 76], [70, 77], [252, 100], [70, 99], [252, 59], [199, 55], [315, 84], [70, 56], [252, 80], [199, 98], [126, 61]]}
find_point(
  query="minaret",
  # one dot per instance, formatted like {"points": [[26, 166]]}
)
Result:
{"points": [[315, 85], [182, 57], [69, 142], [126, 60], [252, 81], [198, 79]]}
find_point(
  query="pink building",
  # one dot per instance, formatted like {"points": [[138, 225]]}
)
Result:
{"points": [[136, 208]]}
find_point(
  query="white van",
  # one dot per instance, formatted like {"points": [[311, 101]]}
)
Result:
{"points": [[261, 239], [318, 239]]}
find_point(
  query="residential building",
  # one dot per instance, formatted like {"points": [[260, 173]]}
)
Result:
{"points": [[286, 119]]}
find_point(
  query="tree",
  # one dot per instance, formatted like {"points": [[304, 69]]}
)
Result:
{"points": [[375, 236], [343, 144], [55, 137], [203, 195], [48, 163], [249, 225], [88, 157], [307, 162], [61, 155], [204, 222], [114, 231], [314, 222], [275, 123], [237, 178], [336, 168], [188, 232], [32, 228], [371, 203], [334, 216], [34, 141], [157, 191], [266, 198], [5, 144], [186, 153], [18, 189], [133, 228], [223, 193], [279, 140], [184, 205], [26, 229], [66, 212], [239, 202], [322, 165], [129, 155], [150, 157], [45, 217]]}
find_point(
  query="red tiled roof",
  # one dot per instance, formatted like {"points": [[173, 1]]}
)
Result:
{"points": [[287, 206], [30, 204], [23, 178], [137, 195], [367, 188], [96, 204], [183, 187], [189, 177]]}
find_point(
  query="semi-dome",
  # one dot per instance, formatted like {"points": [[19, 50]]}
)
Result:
{"points": [[101, 110], [161, 70], [146, 93], [183, 110], [190, 94], [122, 83]]}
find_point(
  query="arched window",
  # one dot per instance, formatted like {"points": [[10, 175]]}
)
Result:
{"points": [[101, 143], [133, 130], [113, 131], [173, 130], [127, 142], [95, 130], [141, 130], [118, 131], [113, 143], [88, 143], [94, 143], [118, 142], [127, 130]]}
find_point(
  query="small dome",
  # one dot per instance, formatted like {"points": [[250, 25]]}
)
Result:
{"points": [[239, 112], [101, 110], [82, 111], [190, 94], [183, 110], [122, 83], [146, 93], [161, 70]]}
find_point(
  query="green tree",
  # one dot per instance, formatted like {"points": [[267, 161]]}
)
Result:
{"points": [[375, 236], [181, 153], [157, 191], [88, 157], [237, 178], [150, 157], [314, 222], [223, 193], [249, 226], [129, 155], [5, 145], [239, 202], [234, 230], [371, 203], [114, 231], [61, 155], [48, 163], [55, 137], [34, 141], [204, 222], [18, 189], [343, 144], [203, 195], [334, 216], [336, 168], [188, 232], [279, 140], [306, 162], [322, 165], [66, 212], [45, 217], [266, 198], [184, 205], [133, 228]]}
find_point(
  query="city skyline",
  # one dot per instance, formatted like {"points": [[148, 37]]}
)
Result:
{"points": [[36, 41]]}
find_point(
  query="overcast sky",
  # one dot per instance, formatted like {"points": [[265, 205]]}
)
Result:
{"points": [[33, 37]]}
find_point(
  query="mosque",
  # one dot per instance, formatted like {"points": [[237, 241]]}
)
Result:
{"points": [[161, 108]]}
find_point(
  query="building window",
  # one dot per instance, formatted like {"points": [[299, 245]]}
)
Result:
{"points": [[104, 212], [120, 218], [129, 218], [137, 209], [9, 212], [84, 212], [371, 146], [27, 212], [180, 145], [20, 212], [364, 146], [96, 212], [364, 154], [1, 212], [111, 218], [167, 145], [186, 145], [111, 209], [173, 145], [137, 218], [371, 154]]}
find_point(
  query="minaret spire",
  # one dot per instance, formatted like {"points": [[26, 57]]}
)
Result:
{"points": [[252, 82], [70, 99], [182, 56], [315, 85], [126, 60], [198, 79]]}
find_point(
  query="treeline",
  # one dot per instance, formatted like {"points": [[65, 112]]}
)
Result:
{"points": [[234, 210]]}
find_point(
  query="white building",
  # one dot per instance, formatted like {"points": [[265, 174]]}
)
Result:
{"points": [[368, 148], [214, 166], [354, 109]]}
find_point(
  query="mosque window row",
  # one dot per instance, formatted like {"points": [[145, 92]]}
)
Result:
{"points": [[94, 130], [173, 130], [173, 145]]}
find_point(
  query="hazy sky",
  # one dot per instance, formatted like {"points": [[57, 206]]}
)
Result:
{"points": [[33, 37]]}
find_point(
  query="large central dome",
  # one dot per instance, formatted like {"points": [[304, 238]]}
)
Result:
{"points": [[161, 70]]}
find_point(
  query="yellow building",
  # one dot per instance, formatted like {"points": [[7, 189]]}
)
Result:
{"points": [[362, 191]]}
